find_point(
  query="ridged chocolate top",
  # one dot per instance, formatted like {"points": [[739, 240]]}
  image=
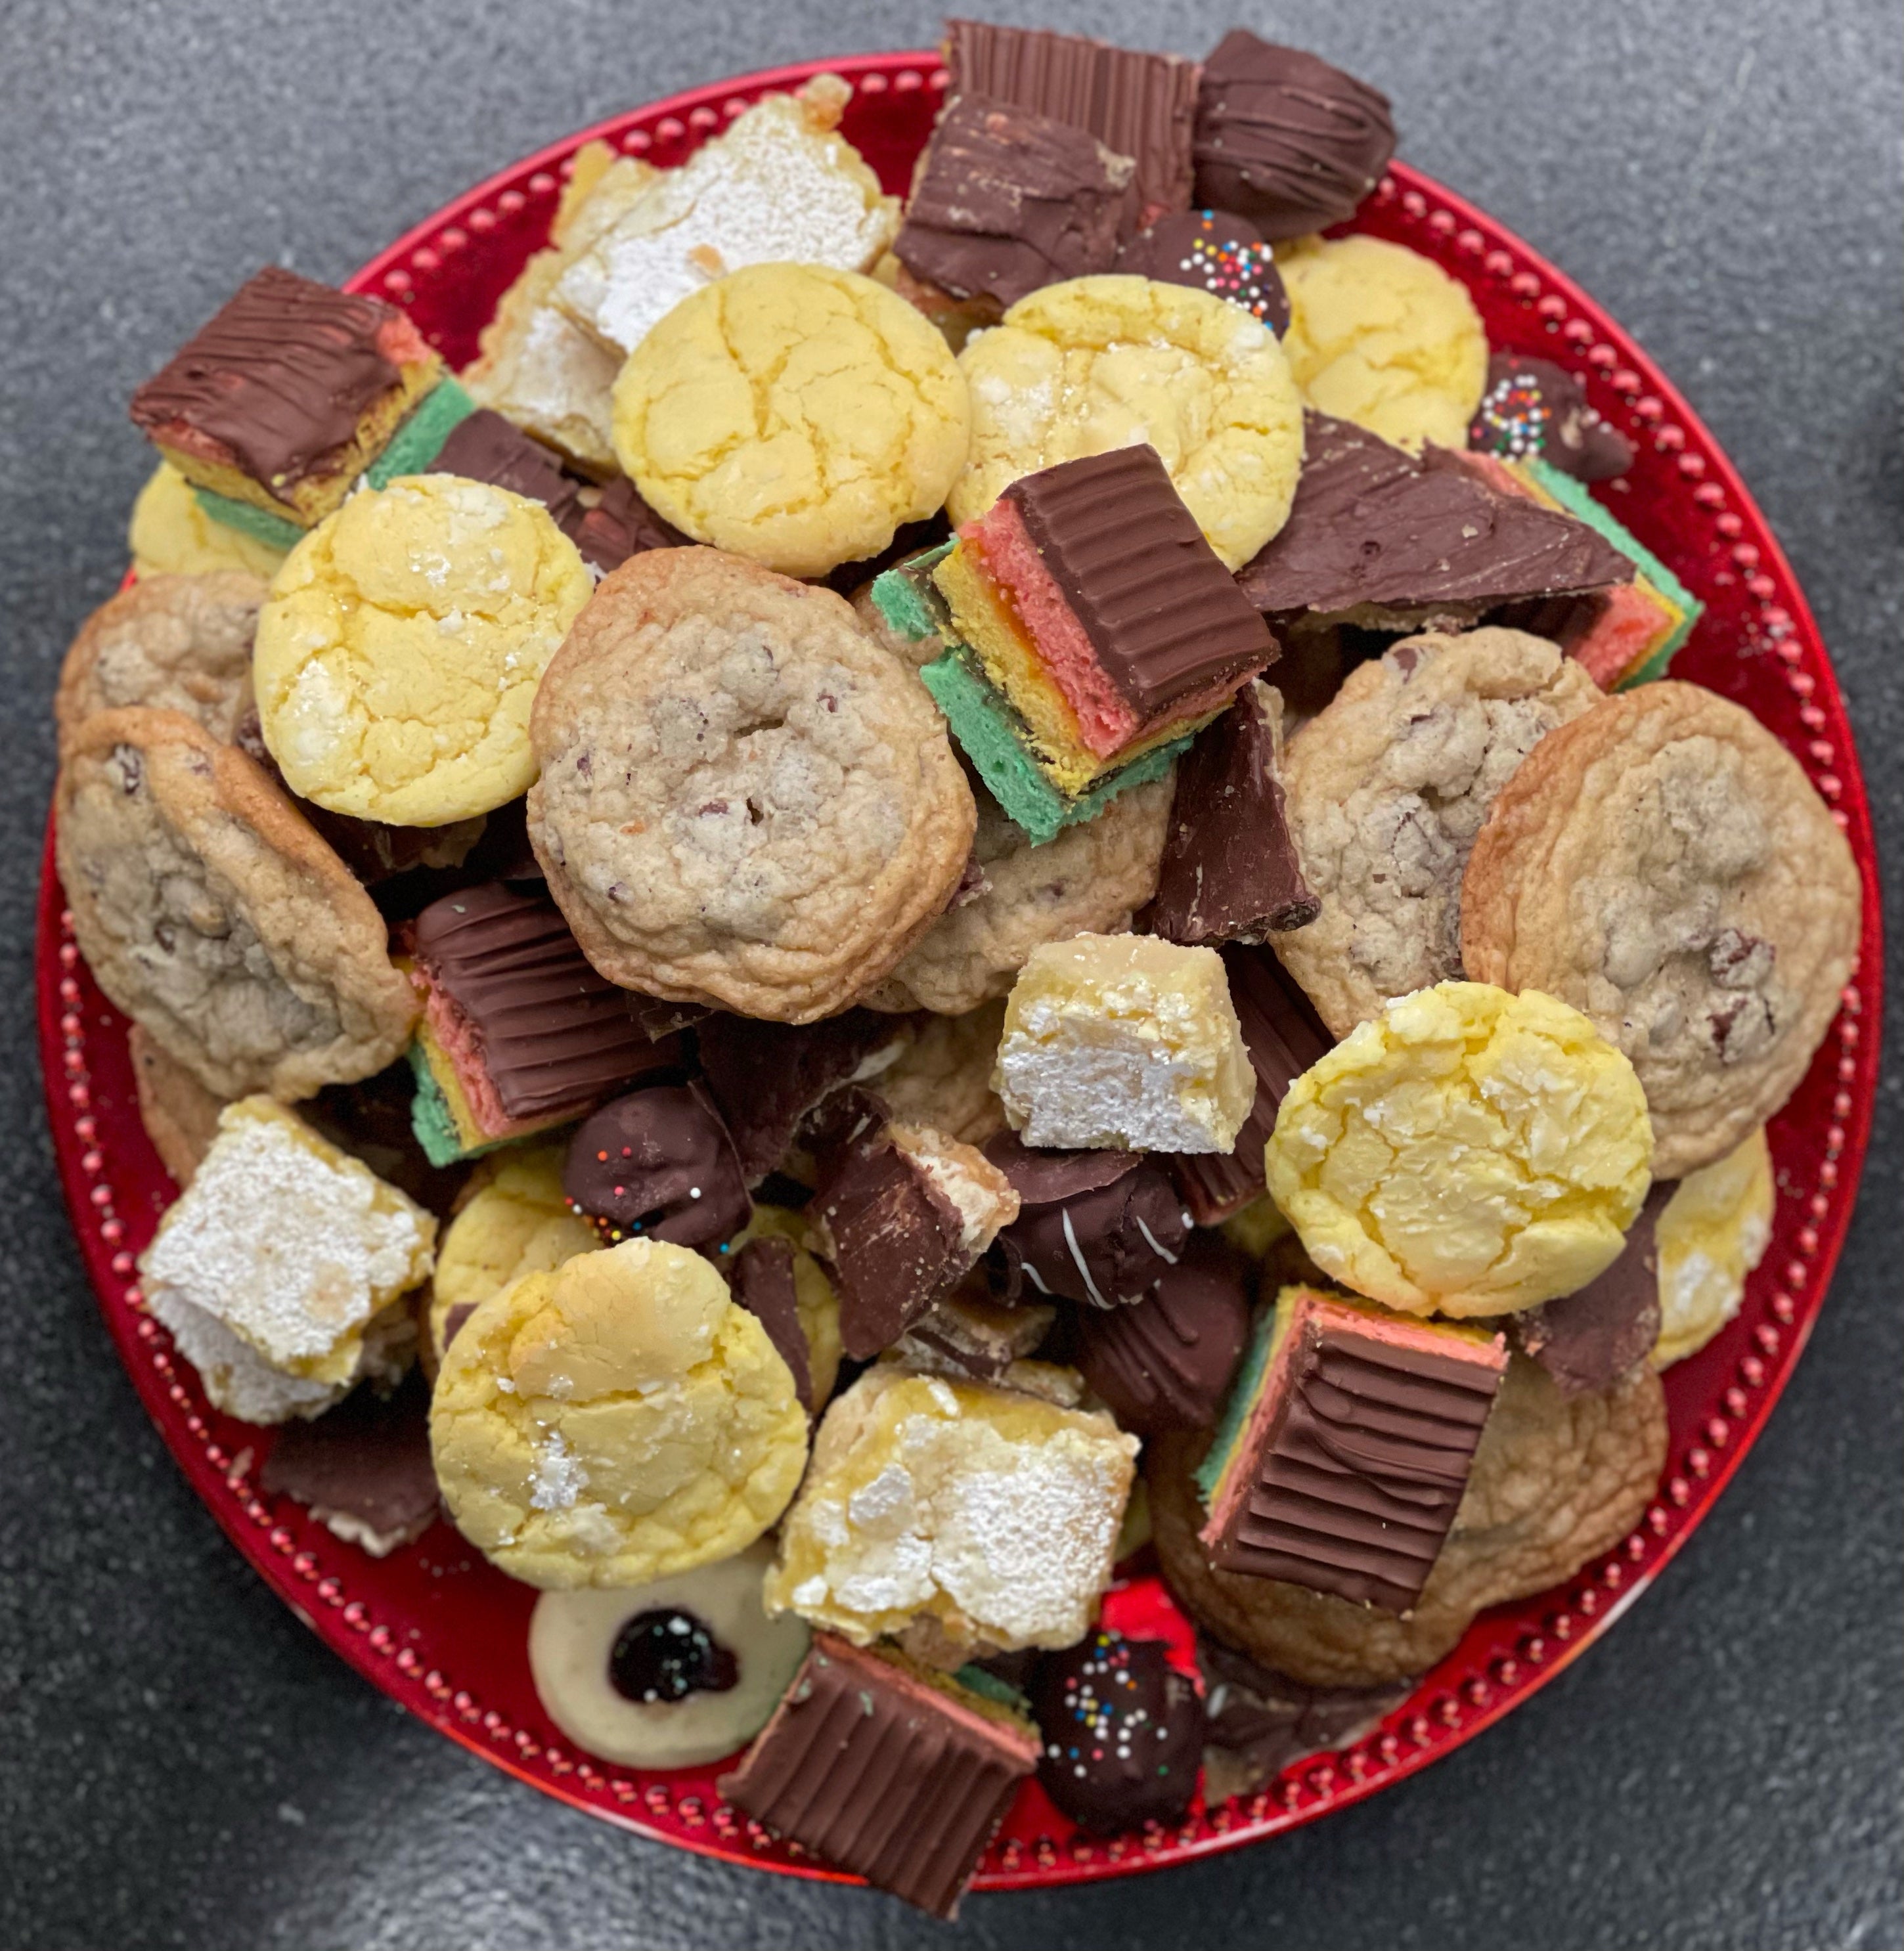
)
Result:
{"points": [[1362, 1465], [1588, 1340], [1162, 613], [872, 1774], [1286, 138], [554, 1036], [280, 376], [485, 446], [761, 1277], [1371, 525], [657, 1164]]}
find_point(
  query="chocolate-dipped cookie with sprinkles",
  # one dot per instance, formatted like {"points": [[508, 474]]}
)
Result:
{"points": [[1533, 410], [1121, 1732], [1212, 251], [658, 1162]]}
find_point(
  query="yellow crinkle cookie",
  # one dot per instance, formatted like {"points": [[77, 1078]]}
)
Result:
{"points": [[794, 415], [399, 655], [1107, 362], [171, 535], [1379, 335], [1467, 1152], [1712, 1233], [614, 1420]]}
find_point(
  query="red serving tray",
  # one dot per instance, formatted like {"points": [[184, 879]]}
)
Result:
{"points": [[436, 1628]]}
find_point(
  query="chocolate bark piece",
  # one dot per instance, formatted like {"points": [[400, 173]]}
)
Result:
{"points": [[1139, 105], [485, 446], [1229, 871], [766, 1077], [657, 1164], [364, 1468], [551, 1034], [1285, 138], [966, 1335], [1097, 1227], [1122, 1732], [1167, 1361], [618, 525], [1588, 1340], [900, 1779], [1533, 409], [1377, 534], [1009, 200], [1212, 251], [761, 1276], [1164, 616], [1284, 1036]]}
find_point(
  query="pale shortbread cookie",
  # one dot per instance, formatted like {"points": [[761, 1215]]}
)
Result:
{"points": [[171, 534], [212, 915], [744, 801], [1466, 1152], [176, 643], [1712, 1232], [780, 186], [1124, 1041], [986, 1514], [398, 657], [1090, 880], [1380, 335], [1664, 864], [943, 1077], [180, 1116], [1386, 789], [794, 415], [1105, 362], [615, 1421], [289, 1245], [816, 1304]]}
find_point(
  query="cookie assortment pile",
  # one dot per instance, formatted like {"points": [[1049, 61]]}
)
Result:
{"points": [[922, 894]]}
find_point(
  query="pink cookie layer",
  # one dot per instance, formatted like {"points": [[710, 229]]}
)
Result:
{"points": [[460, 1043], [1624, 635]]}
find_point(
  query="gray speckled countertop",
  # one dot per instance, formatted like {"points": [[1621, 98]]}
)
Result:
{"points": [[181, 1763]]}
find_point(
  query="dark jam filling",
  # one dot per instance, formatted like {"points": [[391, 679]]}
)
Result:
{"points": [[663, 1656]]}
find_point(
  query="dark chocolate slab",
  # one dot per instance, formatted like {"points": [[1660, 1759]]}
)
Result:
{"points": [[761, 1275], [485, 446], [363, 1468], [620, 525], [1588, 1340]]}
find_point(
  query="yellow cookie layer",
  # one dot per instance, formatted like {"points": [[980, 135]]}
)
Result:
{"points": [[1712, 1232], [1467, 1152], [398, 656], [171, 535]]}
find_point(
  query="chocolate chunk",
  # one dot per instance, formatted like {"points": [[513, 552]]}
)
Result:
{"points": [[1374, 529], [280, 377], [618, 525], [1212, 251], [553, 1036], [1095, 1227], [485, 446], [884, 1774], [964, 1335], [1164, 616], [766, 1077], [371, 1120], [1284, 1036], [1140, 105], [364, 1468], [1587, 1341], [664, 1655], [1533, 409], [1285, 138], [1123, 1731], [1009, 200], [761, 1275], [1167, 1362], [1229, 871], [657, 1164]]}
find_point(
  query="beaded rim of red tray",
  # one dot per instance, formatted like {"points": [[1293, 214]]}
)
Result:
{"points": [[435, 1629]]}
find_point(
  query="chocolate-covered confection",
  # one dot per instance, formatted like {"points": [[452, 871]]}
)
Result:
{"points": [[964, 1334], [364, 1468], [618, 525], [1229, 871], [485, 446], [553, 1036], [1122, 1732], [503, 853], [1285, 138], [761, 1278], [657, 1164], [1167, 1362], [1284, 1036], [1256, 1721], [766, 1077], [1376, 531], [1212, 251], [875, 1769], [371, 1120], [1533, 409], [1139, 105], [1588, 1340], [1165, 618], [1009, 200], [1097, 1227], [279, 378]]}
